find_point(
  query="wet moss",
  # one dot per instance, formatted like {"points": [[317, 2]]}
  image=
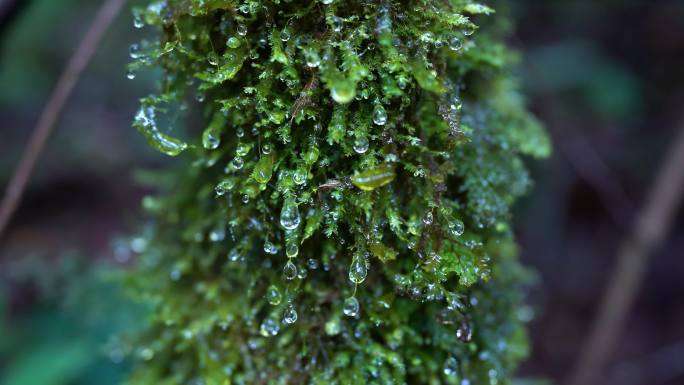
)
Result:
{"points": [[342, 216]]}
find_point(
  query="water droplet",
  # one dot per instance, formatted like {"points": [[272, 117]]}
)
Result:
{"points": [[218, 234], [138, 21], [290, 271], [456, 227], [242, 149], [290, 315], [291, 248], [361, 144], [234, 255], [299, 176], [134, 51], [130, 74], [451, 366], [238, 162], [312, 264], [351, 307], [145, 123], [311, 155], [269, 328], [241, 29], [469, 29], [213, 58], [375, 177], [266, 149], [312, 59], [379, 115], [270, 248], [333, 327], [285, 35], [233, 42], [343, 92], [245, 199], [240, 132], [427, 220], [455, 44], [358, 270], [289, 215], [263, 170], [210, 139], [200, 97], [337, 23], [273, 295]]}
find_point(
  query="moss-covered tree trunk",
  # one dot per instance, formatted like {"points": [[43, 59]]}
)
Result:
{"points": [[343, 216]]}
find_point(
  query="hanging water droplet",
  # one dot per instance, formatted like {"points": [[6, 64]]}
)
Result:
{"points": [[233, 42], [312, 59], [285, 35], [200, 97], [263, 170], [240, 132], [234, 255], [134, 51], [266, 149], [351, 307], [312, 264], [269, 328], [210, 139], [289, 215], [273, 295], [270, 248], [218, 234], [361, 144], [290, 315], [343, 92], [213, 58], [427, 219], [290, 271], [130, 74], [379, 115], [238, 162], [333, 327], [245, 199], [469, 29], [241, 29], [451, 367], [299, 176], [455, 44], [337, 23], [456, 227], [138, 21], [242, 149], [358, 270], [291, 248], [144, 122]]}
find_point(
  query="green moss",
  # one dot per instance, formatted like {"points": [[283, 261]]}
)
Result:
{"points": [[342, 214]]}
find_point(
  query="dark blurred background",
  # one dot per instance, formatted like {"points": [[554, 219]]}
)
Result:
{"points": [[606, 78]]}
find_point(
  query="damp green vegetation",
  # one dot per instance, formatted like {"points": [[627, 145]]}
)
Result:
{"points": [[341, 213]]}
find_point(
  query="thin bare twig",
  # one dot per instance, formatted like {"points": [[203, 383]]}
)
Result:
{"points": [[649, 231], [67, 80]]}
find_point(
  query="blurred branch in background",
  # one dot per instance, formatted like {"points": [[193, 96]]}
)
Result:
{"points": [[67, 80], [650, 228]]}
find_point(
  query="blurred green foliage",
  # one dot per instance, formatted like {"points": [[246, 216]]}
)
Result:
{"points": [[59, 320]]}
